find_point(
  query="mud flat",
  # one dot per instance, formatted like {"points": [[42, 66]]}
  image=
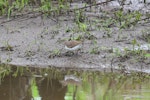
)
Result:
{"points": [[38, 42]]}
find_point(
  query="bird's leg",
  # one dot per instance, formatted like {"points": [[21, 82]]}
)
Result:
{"points": [[77, 51], [69, 53]]}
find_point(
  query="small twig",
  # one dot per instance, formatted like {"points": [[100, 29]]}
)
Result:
{"points": [[25, 17]]}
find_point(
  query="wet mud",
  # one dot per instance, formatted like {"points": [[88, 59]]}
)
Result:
{"points": [[38, 41]]}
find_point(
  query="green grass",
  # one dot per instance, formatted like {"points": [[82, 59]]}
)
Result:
{"points": [[8, 7], [61, 7], [127, 20]]}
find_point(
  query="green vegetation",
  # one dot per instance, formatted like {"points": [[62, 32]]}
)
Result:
{"points": [[61, 7], [55, 53], [146, 35], [46, 6], [4, 71], [95, 48], [128, 19], [7, 47]]}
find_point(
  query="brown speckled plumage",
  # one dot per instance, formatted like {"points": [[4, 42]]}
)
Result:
{"points": [[72, 43]]}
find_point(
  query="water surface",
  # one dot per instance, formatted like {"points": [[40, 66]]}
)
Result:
{"points": [[23, 83]]}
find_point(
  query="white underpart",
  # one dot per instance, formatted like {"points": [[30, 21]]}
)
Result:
{"points": [[74, 48]]}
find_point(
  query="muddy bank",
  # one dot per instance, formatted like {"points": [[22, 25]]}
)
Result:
{"points": [[38, 41]]}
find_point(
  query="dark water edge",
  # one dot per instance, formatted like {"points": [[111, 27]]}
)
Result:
{"points": [[26, 83]]}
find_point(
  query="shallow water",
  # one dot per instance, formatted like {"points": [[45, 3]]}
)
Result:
{"points": [[18, 83]]}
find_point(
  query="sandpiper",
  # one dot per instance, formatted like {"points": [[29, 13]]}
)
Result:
{"points": [[73, 45]]}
